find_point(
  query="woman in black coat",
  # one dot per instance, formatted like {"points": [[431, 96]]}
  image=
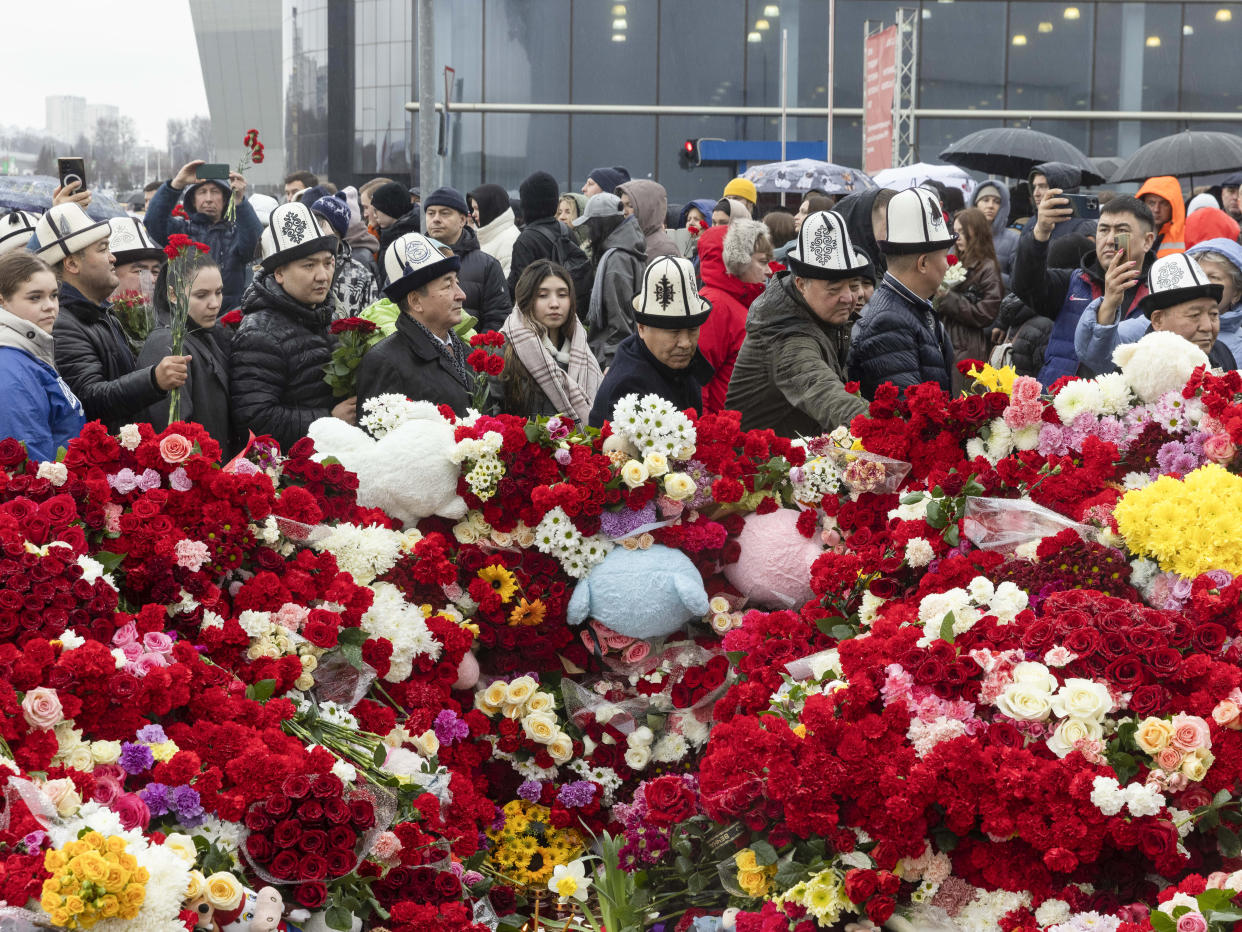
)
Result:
{"points": [[205, 395]]}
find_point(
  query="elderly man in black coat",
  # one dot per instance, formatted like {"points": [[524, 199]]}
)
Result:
{"points": [[425, 360], [900, 337]]}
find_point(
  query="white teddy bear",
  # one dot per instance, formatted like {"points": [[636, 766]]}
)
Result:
{"points": [[1160, 362], [407, 472]]}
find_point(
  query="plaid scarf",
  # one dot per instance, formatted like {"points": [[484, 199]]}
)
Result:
{"points": [[572, 392]]}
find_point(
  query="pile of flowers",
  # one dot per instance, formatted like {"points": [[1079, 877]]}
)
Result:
{"points": [[1009, 695]]}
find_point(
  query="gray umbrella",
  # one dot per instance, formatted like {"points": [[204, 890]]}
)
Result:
{"points": [[805, 174], [1013, 151], [1183, 155], [34, 193]]}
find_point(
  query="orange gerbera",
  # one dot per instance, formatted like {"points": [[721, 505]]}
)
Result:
{"points": [[527, 614]]}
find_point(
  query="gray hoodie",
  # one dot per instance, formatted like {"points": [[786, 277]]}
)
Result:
{"points": [[1004, 239], [618, 278], [651, 207]]}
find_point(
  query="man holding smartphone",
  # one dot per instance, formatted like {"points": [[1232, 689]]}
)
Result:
{"points": [[232, 242], [1061, 295]]}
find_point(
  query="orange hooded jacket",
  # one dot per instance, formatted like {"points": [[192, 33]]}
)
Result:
{"points": [[1172, 236]]}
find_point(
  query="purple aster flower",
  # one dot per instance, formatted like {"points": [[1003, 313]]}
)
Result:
{"points": [[136, 758], [449, 728], [577, 794], [188, 806], [155, 795], [152, 734], [620, 524], [530, 790]]}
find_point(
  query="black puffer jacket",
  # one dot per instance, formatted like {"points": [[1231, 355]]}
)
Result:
{"points": [[94, 358], [483, 281], [899, 339], [408, 363], [279, 352], [407, 223], [635, 370], [1030, 345]]}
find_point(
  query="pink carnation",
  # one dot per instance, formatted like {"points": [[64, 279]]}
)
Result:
{"points": [[192, 554]]}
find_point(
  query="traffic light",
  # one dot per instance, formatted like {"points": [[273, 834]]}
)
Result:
{"points": [[689, 158]]}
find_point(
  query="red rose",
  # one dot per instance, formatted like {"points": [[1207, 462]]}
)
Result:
{"points": [[286, 833], [669, 800], [447, 885], [880, 909], [335, 811], [312, 895], [362, 813], [340, 863], [260, 848], [277, 806], [313, 841], [284, 866], [860, 885], [297, 786], [310, 811], [257, 821], [312, 867], [327, 785]]}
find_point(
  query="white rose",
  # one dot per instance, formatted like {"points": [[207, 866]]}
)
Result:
{"points": [[491, 699], [640, 737], [561, 748], [656, 463], [540, 727], [1071, 731], [1082, 698], [636, 758], [64, 796], [1025, 702], [79, 758], [678, 486], [427, 743], [634, 474], [520, 690], [464, 533], [1035, 674], [182, 846], [718, 604], [541, 702], [105, 752]]}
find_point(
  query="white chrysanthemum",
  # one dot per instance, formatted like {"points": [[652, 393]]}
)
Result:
{"points": [[363, 552], [975, 448], [869, 609], [71, 640], [1000, 440], [669, 749], [818, 477], [403, 625], [654, 425], [1081, 396], [92, 570], [1135, 480], [227, 836], [1115, 395], [384, 413], [1026, 438]]}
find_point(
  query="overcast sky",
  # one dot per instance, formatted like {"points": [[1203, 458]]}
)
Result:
{"points": [[137, 54]]}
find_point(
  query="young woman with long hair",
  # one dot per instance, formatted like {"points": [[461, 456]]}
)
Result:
{"points": [[970, 307]]}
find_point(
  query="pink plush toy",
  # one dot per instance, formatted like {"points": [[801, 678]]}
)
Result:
{"points": [[774, 569], [467, 672]]}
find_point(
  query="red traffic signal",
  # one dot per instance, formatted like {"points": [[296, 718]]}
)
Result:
{"points": [[689, 156]]}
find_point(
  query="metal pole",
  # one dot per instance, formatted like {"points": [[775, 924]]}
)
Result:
{"points": [[426, 96], [832, 41], [784, 89]]}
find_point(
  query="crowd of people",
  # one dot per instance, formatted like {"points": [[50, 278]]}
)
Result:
{"points": [[795, 319]]}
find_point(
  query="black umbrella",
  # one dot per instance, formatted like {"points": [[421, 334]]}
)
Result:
{"points": [[1013, 151], [1182, 155]]}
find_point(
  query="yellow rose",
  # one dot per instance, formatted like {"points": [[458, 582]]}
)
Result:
{"points": [[106, 752], [182, 846], [1195, 763], [94, 868], [1153, 735], [561, 748], [754, 882], [678, 486], [745, 860], [656, 463], [59, 917], [54, 860], [634, 474], [141, 875], [540, 727], [304, 682], [196, 885], [541, 702], [520, 690], [492, 698], [116, 877], [49, 901], [109, 906], [224, 891]]}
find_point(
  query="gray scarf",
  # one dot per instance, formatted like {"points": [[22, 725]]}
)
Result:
{"points": [[25, 336]]}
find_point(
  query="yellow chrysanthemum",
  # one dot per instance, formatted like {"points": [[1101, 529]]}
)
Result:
{"points": [[1189, 526], [501, 580]]}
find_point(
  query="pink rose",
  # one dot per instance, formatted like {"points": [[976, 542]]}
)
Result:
{"points": [[636, 652], [1226, 714], [1190, 732], [1191, 922], [1169, 758], [107, 790], [1219, 449], [132, 811], [618, 641], [41, 708], [148, 662], [175, 449], [1216, 880], [126, 634], [157, 642], [132, 651]]}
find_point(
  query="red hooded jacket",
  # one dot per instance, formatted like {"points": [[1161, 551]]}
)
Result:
{"points": [[720, 339]]}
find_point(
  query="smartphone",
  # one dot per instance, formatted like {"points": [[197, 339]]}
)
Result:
{"points": [[213, 171], [70, 170], [1123, 243], [1083, 206]]}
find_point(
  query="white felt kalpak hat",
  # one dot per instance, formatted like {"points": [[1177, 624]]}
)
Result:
{"points": [[916, 224], [66, 229], [16, 228], [824, 249], [291, 233], [669, 299], [412, 261], [1177, 279], [129, 241]]}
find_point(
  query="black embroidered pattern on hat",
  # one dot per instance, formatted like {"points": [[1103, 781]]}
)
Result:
{"points": [[823, 244], [1170, 276], [294, 227], [665, 293]]}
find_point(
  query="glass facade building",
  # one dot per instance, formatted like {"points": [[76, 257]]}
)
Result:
{"points": [[349, 69]]}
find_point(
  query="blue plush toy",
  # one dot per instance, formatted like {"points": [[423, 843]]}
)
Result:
{"points": [[641, 593]]}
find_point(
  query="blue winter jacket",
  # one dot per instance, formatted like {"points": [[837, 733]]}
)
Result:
{"points": [[899, 339], [232, 243], [40, 409]]}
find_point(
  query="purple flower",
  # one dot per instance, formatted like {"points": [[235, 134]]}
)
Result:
{"points": [[34, 841], [180, 480], [136, 758], [530, 790], [155, 795], [620, 524], [152, 734], [449, 728], [188, 806], [149, 480], [577, 794]]}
